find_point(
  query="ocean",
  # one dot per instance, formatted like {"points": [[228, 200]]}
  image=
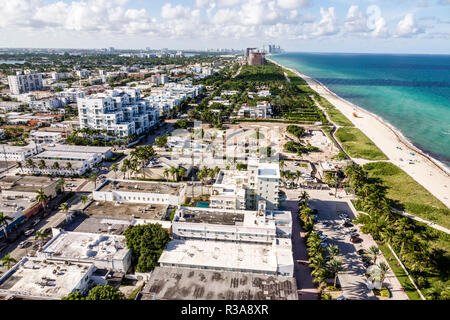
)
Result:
{"points": [[411, 92]]}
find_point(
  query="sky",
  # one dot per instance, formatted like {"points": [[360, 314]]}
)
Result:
{"points": [[372, 26]]}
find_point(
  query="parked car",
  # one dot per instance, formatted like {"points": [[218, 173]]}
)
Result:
{"points": [[324, 237], [341, 298], [354, 234], [361, 252], [347, 225], [3, 247], [24, 244], [29, 232], [355, 239], [324, 244], [343, 215]]}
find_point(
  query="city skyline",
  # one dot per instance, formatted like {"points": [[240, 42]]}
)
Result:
{"points": [[297, 25]]}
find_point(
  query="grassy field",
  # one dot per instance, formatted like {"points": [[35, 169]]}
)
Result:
{"points": [[410, 195], [358, 145], [400, 274]]}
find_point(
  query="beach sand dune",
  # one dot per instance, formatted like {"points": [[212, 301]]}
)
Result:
{"points": [[430, 173]]}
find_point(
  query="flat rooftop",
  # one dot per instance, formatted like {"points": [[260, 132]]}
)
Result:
{"points": [[269, 170], [167, 283], [210, 216], [126, 210], [63, 155], [139, 186], [86, 246], [218, 254], [84, 149], [35, 279]]}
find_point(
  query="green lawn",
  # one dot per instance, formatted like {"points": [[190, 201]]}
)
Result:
{"points": [[411, 195], [400, 274], [358, 145], [335, 115]]}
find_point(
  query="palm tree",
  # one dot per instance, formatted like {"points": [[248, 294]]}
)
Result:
{"points": [[41, 198], [124, 168], [60, 184], [166, 174], [303, 198], [333, 251], [8, 261], [282, 164], [42, 165], [20, 166], [93, 178], [181, 172], [373, 253], [83, 199], [41, 236], [334, 266], [4, 222], [69, 166], [383, 270], [115, 168], [30, 163], [55, 166], [174, 172]]}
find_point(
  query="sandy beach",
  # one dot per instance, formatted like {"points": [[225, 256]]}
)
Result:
{"points": [[430, 173]]}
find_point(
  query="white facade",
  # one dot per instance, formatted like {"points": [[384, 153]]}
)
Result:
{"points": [[129, 191], [22, 83], [72, 95], [257, 258], [13, 153], [262, 110], [42, 137], [48, 104], [121, 112]]}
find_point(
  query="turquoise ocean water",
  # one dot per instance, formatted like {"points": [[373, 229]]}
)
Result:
{"points": [[411, 92]]}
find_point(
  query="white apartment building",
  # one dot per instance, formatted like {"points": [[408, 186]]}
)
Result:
{"points": [[13, 153], [121, 112], [128, 191], [45, 105], [263, 110], [83, 73], [229, 190], [72, 95], [264, 179], [241, 190], [262, 226], [42, 137], [58, 76], [25, 82]]}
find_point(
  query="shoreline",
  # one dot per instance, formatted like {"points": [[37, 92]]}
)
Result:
{"points": [[384, 141]]}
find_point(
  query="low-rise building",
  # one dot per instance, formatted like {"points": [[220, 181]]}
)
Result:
{"points": [[257, 258], [170, 283], [43, 137], [38, 279], [105, 251], [15, 153], [147, 192]]}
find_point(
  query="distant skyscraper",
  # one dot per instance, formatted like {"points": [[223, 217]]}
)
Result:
{"points": [[256, 58]]}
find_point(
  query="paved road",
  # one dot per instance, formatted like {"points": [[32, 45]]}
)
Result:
{"points": [[302, 273]]}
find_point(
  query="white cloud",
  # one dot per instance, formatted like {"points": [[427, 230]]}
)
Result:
{"points": [[328, 25], [176, 12], [407, 27], [293, 4], [356, 20]]}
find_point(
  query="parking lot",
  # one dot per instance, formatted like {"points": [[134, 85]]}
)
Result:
{"points": [[332, 212]]}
